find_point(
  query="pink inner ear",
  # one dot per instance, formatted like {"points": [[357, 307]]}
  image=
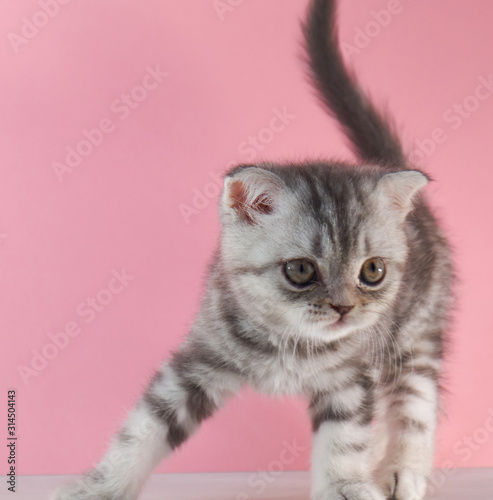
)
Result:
{"points": [[241, 202], [397, 201], [400, 188]]}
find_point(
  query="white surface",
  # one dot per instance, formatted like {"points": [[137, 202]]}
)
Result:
{"points": [[461, 484]]}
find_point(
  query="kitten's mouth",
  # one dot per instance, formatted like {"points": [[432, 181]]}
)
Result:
{"points": [[342, 321]]}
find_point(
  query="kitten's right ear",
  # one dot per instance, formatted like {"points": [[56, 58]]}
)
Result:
{"points": [[250, 193], [399, 189]]}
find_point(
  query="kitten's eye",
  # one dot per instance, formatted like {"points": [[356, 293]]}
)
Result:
{"points": [[373, 271], [300, 271]]}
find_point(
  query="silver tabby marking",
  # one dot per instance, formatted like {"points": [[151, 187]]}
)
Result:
{"points": [[288, 310]]}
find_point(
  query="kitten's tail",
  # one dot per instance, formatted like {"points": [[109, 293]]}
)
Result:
{"points": [[370, 134]]}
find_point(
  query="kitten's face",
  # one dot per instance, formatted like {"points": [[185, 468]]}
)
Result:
{"points": [[319, 254]]}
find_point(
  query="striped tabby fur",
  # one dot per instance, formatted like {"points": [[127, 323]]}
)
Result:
{"points": [[366, 357]]}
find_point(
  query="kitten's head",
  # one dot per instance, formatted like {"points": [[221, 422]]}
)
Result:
{"points": [[316, 250]]}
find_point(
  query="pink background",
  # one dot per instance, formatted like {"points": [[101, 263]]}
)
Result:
{"points": [[122, 206]]}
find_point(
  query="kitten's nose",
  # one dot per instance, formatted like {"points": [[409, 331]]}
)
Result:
{"points": [[342, 310]]}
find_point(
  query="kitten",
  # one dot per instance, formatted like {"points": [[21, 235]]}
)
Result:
{"points": [[331, 281]]}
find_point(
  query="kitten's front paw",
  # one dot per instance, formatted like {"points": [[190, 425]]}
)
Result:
{"points": [[84, 488], [406, 484], [351, 491], [71, 491]]}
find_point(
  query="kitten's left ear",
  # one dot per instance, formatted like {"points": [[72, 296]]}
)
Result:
{"points": [[400, 188], [250, 194]]}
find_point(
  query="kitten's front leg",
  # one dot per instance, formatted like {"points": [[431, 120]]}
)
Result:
{"points": [[341, 457], [180, 396], [411, 420]]}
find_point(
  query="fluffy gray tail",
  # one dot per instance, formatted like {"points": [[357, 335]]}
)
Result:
{"points": [[370, 134]]}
